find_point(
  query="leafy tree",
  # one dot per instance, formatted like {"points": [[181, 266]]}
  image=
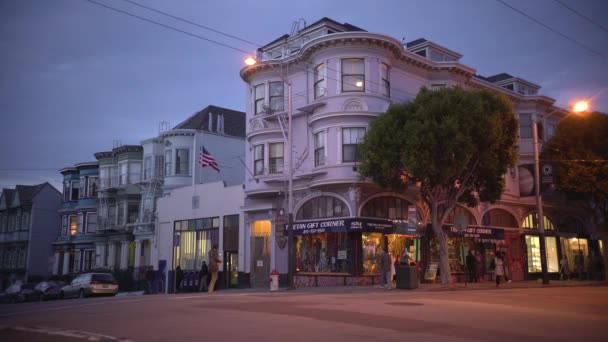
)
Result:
{"points": [[457, 144], [580, 152]]}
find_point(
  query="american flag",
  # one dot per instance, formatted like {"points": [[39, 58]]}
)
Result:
{"points": [[206, 159]]}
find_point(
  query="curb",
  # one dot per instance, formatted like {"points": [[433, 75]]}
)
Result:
{"points": [[129, 294]]}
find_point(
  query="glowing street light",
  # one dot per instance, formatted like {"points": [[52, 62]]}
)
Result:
{"points": [[580, 106], [250, 61]]}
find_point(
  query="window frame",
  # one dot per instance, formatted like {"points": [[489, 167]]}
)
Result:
{"points": [[357, 153], [257, 100], [276, 164], [147, 167], [385, 77], [168, 164], [528, 127], [319, 148], [272, 99], [88, 222], [258, 160], [182, 168], [319, 81]]}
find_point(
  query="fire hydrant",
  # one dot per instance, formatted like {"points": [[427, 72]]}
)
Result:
{"points": [[274, 281]]}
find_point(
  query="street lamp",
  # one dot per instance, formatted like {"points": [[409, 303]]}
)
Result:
{"points": [[580, 106], [289, 141]]}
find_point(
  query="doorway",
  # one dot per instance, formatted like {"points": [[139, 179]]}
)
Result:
{"points": [[231, 269], [260, 252]]}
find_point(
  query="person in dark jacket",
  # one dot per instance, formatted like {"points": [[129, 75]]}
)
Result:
{"points": [[472, 266], [203, 277], [179, 276]]}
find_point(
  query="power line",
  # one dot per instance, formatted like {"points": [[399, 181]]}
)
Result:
{"points": [[192, 23], [168, 27], [554, 30], [582, 15]]}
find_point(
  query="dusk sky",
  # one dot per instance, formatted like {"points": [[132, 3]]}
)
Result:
{"points": [[75, 76]]}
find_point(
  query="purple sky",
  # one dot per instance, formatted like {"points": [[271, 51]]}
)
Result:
{"points": [[76, 77]]}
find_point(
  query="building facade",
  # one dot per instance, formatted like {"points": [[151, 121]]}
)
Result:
{"points": [[29, 223], [74, 249], [343, 77]]}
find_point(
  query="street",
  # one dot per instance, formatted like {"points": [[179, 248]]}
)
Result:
{"points": [[320, 314]]}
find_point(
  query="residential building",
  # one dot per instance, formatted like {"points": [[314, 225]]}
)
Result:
{"points": [[74, 249], [342, 78], [29, 223], [173, 168]]}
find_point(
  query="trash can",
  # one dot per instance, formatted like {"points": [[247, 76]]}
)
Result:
{"points": [[407, 277], [274, 281]]}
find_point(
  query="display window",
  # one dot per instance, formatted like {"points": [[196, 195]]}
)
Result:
{"points": [[373, 244], [533, 248], [327, 253], [398, 244], [572, 249]]}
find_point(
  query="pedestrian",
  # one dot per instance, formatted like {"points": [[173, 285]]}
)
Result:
{"points": [[214, 267], [179, 276], [564, 269], [202, 287], [499, 267], [505, 264], [480, 271], [393, 262], [384, 262], [471, 262]]}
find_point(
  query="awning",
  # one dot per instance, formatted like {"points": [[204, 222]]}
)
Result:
{"points": [[343, 225]]}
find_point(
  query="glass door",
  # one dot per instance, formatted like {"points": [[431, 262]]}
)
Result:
{"points": [[231, 269]]}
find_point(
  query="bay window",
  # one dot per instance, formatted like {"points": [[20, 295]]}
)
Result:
{"points": [[276, 157], [353, 74], [182, 161], [319, 81], [276, 96], [525, 125], [259, 97], [147, 167], [351, 138], [258, 160], [386, 84], [168, 162], [319, 148]]}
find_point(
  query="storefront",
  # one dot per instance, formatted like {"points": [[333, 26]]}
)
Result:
{"points": [[531, 244]]}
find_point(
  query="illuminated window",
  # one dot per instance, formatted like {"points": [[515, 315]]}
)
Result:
{"points": [[73, 224], [353, 74], [531, 222]]}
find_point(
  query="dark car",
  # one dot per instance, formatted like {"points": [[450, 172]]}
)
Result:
{"points": [[20, 292], [46, 290]]}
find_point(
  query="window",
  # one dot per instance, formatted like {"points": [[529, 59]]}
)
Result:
{"points": [[124, 173], [322, 207], [122, 213], [159, 162], [550, 130], [93, 186], [168, 162], [525, 125], [182, 161], [80, 223], [64, 225], [104, 174], [258, 160], [319, 81], [531, 222], [195, 240], [276, 157], [132, 212], [276, 96], [75, 185], [11, 222], [91, 222], [533, 248], [147, 167], [331, 252], [351, 138], [353, 74], [21, 258], [66, 190], [373, 244], [83, 187], [387, 207], [73, 224], [386, 83], [320, 149], [231, 232], [88, 260], [25, 221], [259, 97]]}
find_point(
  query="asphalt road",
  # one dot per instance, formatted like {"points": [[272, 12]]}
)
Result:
{"points": [[334, 314]]}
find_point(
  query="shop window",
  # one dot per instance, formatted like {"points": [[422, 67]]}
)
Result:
{"points": [[327, 253], [195, 244], [322, 207], [533, 248], [572, 249], [373, 244]]}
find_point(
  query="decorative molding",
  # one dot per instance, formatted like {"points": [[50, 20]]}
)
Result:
{"points": [[354, 105]]}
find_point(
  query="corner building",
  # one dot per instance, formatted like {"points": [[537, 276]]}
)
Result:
{"points": [[342, 78]]}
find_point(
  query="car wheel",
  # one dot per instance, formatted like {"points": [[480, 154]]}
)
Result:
{"points": [[81, 293], [61, 295]]}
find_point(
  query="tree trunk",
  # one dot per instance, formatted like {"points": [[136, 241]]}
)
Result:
{"points": [[444, 262]]}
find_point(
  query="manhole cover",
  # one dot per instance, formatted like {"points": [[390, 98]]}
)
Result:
{"points": [[405, 303]]}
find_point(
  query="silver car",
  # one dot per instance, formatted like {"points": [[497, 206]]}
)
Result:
{"points": [[89, 284]]}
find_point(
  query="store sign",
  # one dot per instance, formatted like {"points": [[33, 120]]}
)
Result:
{"points": [[484, 233], [346, 225]]}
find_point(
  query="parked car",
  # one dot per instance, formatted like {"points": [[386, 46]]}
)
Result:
{"points": [[46, 290], [90, 284], [19, 292]]}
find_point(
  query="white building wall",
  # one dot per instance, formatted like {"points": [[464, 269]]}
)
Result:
{"points": [[44, 229]]}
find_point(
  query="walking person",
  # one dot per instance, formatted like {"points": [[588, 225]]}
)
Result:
{"points": [[202, 287], [564, 269], [214, 266], [499, 267], [480, 267], [384, 263], [471, 262]]}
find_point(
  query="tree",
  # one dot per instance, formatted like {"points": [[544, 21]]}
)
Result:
{"points": [[457, 144], [580, 155]]}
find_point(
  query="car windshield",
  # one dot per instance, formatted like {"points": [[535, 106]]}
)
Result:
{"points": [[103, 277]]}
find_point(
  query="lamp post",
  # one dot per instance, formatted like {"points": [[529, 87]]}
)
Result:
{"points": [[578, 107], [289, 141]]}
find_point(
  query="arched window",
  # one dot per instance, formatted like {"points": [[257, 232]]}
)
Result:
{"points": [[499, 218], [463, 211], [531, 222], [390, 207], [322, 207], [570, 224]]}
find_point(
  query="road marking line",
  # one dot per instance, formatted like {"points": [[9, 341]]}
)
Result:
{"points": [[90, 336], [40, 310]]}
